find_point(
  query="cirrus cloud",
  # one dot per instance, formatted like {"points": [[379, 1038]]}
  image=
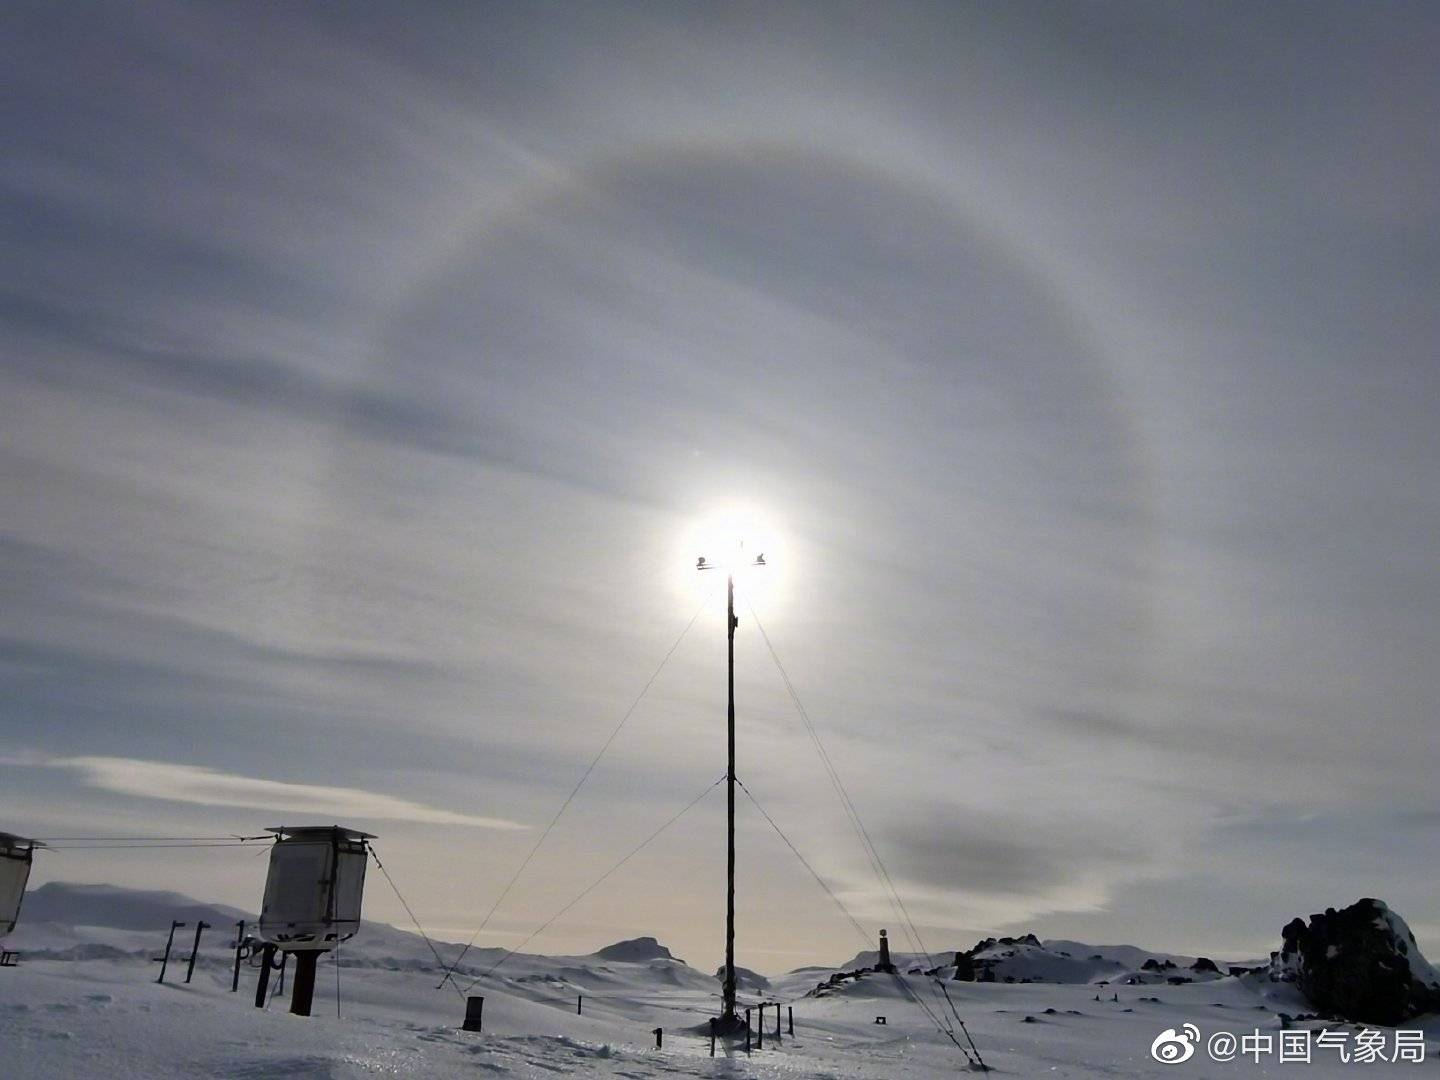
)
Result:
{"points": [[175, 782]]}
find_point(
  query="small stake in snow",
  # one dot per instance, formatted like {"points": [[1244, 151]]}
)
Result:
{"points": [[579, 1004], [777, 1021], [474, 1014], [747, 1031], [760, 1028], [713, 1024], [164, 961], [659, 1034], [242, 952], [790, 1012], [200, 928]]}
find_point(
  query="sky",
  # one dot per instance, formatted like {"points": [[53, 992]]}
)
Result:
{"points": [[370, 371]]}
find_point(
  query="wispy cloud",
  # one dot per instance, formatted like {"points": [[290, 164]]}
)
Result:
{"points": [[364, 368], [209, 787]]}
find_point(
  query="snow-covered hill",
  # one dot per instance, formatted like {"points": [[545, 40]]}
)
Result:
{"points": [[69, 921], [70, 904], [1027, 959], [106, 1015]]}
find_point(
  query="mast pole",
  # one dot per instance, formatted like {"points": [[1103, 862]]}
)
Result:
{"points": [[727, 1014]]}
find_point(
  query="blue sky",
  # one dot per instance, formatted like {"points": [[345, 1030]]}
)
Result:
{"points": [[366, 369]]}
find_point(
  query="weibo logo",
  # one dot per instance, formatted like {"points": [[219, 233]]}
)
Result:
{"points": [[1171, 1047]]}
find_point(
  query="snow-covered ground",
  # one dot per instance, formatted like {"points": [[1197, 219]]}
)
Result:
{"points": [[107, 1016]]}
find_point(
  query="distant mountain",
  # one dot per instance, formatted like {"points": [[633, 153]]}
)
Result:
{"points": [[72, 904], [635, 951], [70, 921]]}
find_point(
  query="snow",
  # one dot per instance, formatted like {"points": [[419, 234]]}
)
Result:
{"points": [[1420, 968], [91, 1017], [1027, 959]]}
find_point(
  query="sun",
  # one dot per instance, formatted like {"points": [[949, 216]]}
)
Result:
{"points": [[736, 539]]}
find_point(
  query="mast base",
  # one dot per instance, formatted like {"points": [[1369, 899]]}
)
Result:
{"points": [[731, 1026]]}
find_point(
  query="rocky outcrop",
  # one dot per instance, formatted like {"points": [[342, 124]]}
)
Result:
{"points": [[838, 980], [1360, 963], [635, 951], [971, 966], [964, 967]]}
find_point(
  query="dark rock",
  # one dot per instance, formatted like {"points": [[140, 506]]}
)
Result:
{"points": [[1360, 963], [1204, 963], [636, 950], [965, 967]]}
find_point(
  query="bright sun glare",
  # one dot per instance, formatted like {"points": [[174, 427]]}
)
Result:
{"points": [[730, 539]]}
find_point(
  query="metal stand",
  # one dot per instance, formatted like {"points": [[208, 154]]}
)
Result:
{"points": [[164, 961], [267, 964], [242, 952], [200, 928], [302, 992]]}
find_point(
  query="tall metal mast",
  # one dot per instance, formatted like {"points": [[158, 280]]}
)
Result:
{"points": [[727, 1010], [728, 1017]]}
